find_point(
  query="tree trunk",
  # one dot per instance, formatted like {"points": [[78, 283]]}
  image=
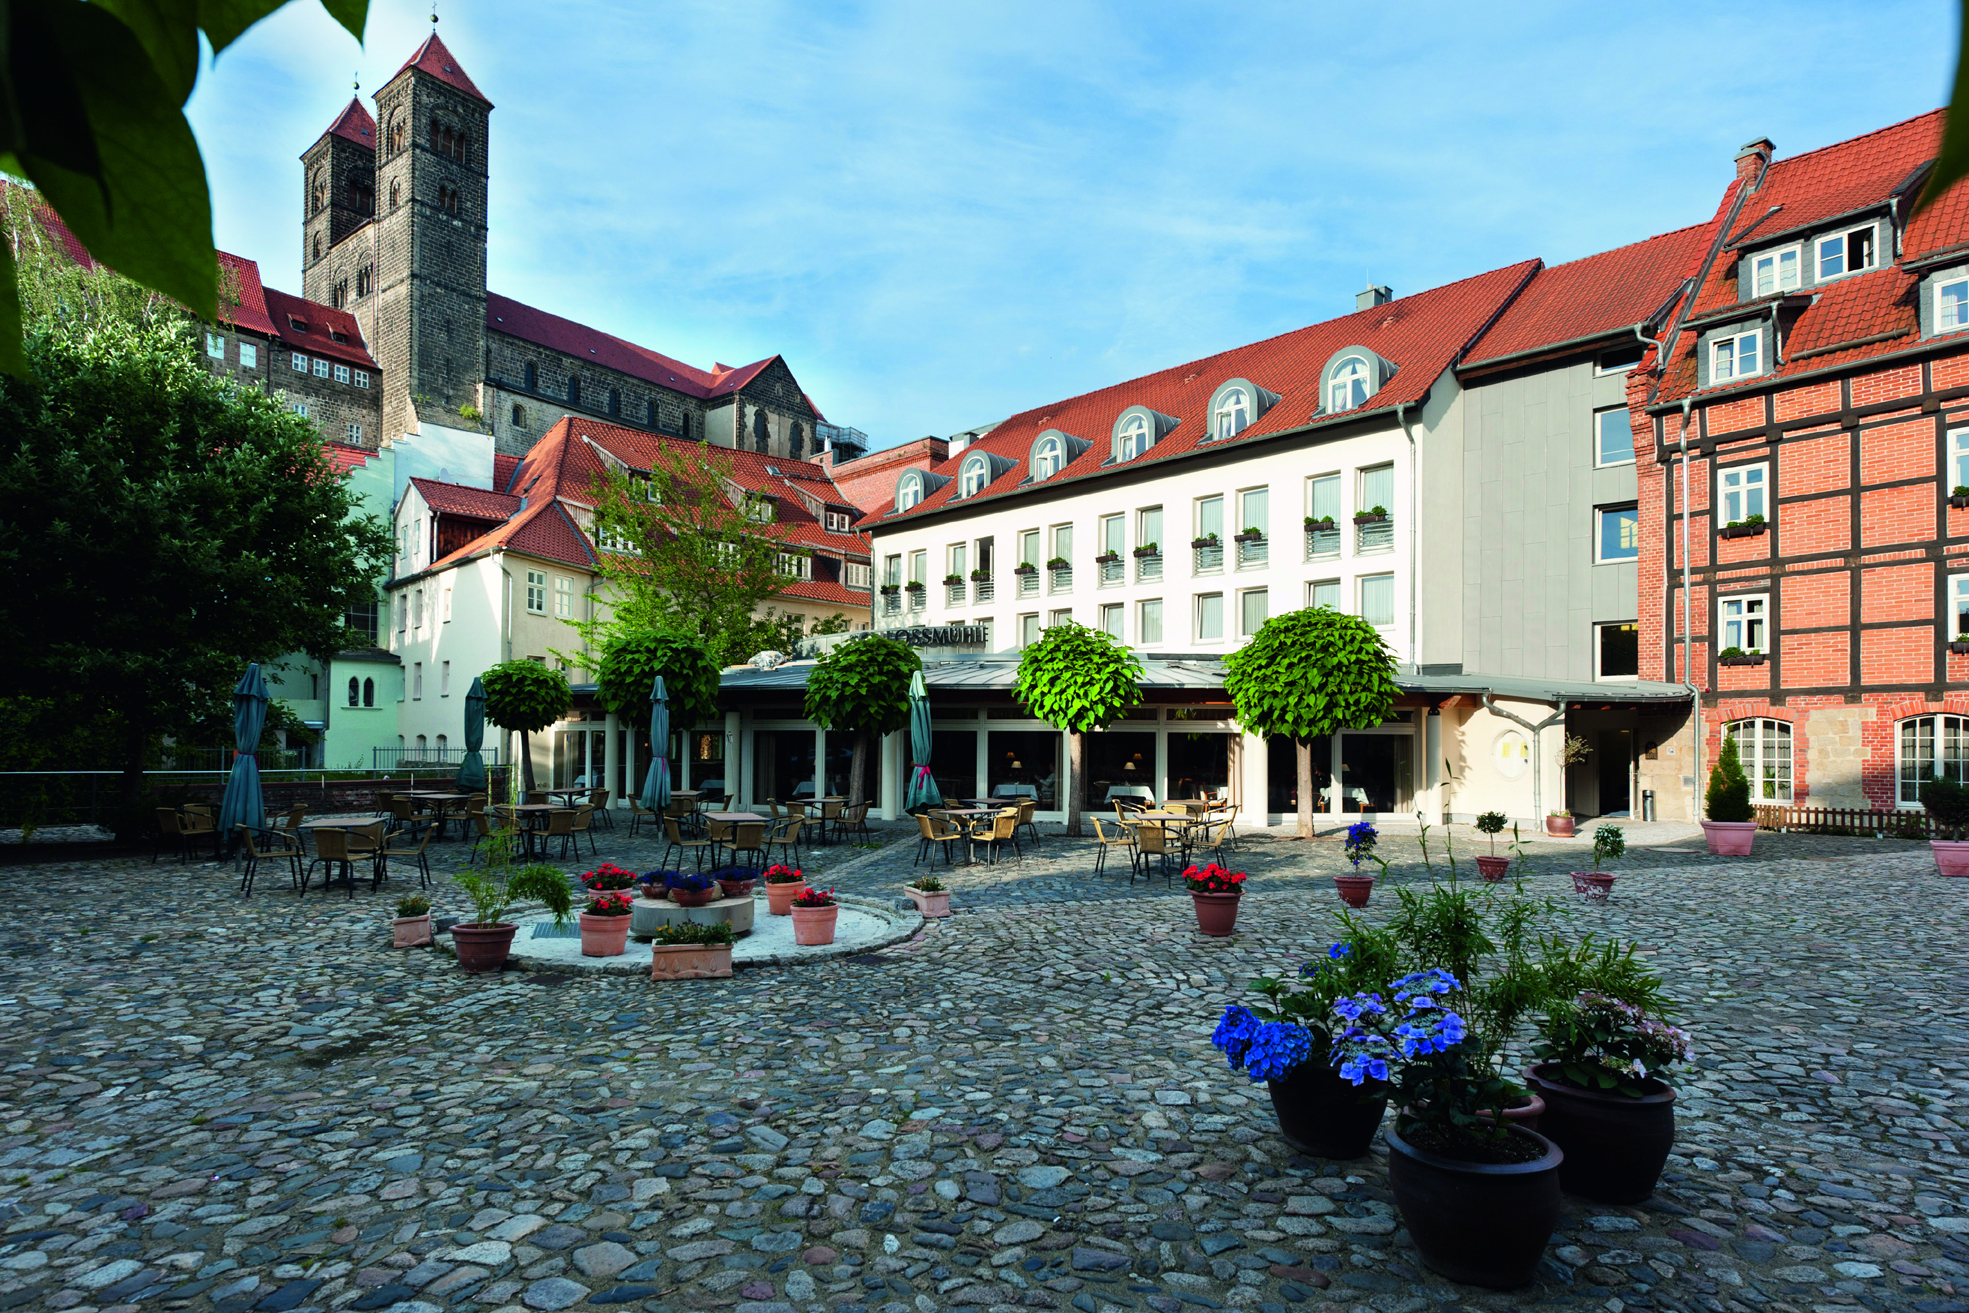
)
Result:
{"points": [[1302, 752], [526, 761], [858, 767], [1077, 787]]}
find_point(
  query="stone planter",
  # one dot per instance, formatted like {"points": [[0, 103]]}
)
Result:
{"points": [[1216, 914], [779, 897], [411, 931], [482, 948], [1354, 889], [603, 936], [690, 961], [1493, 868], [1729, 838], [1951, 856], [932, 903], [1559, 826], [814, 926]]}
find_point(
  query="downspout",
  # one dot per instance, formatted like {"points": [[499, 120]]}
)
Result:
{"points": [[1414, 652], [1537, 757], [1688, 631]]}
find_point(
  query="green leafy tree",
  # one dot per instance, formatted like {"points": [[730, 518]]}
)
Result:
{"points": [[524, 695], [1308, 674], [92, 113], [862, 687], [1078, 679], [1728, 798], [631, 661]]}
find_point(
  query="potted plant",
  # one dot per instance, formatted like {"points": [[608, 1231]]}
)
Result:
{"points": [[1059, 563], [814, 913], [1290, 1048], [1215, 892], [1559, 824], [1729, 823], [693, 889], [1609, 844], [412, 927], [1947, 802], [1961, 645], [1373, 515], [735, 881], [913, 586], [608, 878], [689, 951], [889, 590], [483, 943], [1107, 558], [1958, 496], [953, 580], [1148, 549], [655, 885], [782, 883], [1736, 656], [1319, 522], [605, 925], [1748, 527], [930, 897], [1598, 1069], [1025, 567], [1479, 1194], [981, 576], [1251, 534], [1355, 888], [1493, 867], [1207, 540]]}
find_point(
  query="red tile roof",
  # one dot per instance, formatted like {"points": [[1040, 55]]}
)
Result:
{"points": [[825, 590], [505, 315], [355, 125], [344, 457], [472, 503], [1596, 295], [1421, 334], [1866, 306], [502, 470], [304, 325], [440, 63], [251, 312]]}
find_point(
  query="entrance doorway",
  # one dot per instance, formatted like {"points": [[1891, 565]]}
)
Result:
{"points": [[1375, 775], [1616, 761]]}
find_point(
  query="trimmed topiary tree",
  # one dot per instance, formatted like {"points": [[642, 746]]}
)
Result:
{"points": [[1728, 798], [1078, 679], [525, 696], [862, 686], [1948, 802], [633, 658], [1307, 674]]}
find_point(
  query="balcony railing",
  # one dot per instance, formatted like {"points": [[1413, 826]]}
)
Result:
{"points": [[1210, 559], [1148, 568], [1112, 572], [918, 597], [984, 590], [1028, 583], [1060, 578], [953, 594], [1374, 536], [891, 604], [1252, 553], [1324, 541]]}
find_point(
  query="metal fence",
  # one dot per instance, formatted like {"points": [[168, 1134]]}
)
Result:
{"points": [[1850, 820], [392, 760], [173, 758]]}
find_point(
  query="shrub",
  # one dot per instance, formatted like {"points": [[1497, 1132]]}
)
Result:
{"points": [[1728, 798], [415, 905], [689, 932], [1948, 802], [929, 884], [814, 898]]}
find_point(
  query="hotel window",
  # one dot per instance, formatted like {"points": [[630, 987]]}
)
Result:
{"points": [[892, 571], [1252, 607], [1743, 492], [919, 567], [855, 575], [1613, 437], [1114, 534], [1233, 413], [341, 373], [1210, 617], [563, 597], [1254, 512], [1617, 648], [1743, 620], [1063, 616], [1735, 356], [536, 592], [1764, 747], [1210, 525], [1111, 620], [416, 680], [1028, 630], [1932, 747], [1324, 592], [1348, 386], [1845, 253], [1148, 621], [1378, 599], [249, 356], [215, 345], [1322, 506], [1046, 459], [1958, 591], [1774, 271], [320, 368], [1619, 535], [1958, 448], [1148, 527], [1133, 439], [444, 679], [1951, 308]]}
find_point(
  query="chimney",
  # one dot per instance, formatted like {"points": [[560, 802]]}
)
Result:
{"points": [[1373, 296], [1753, 159]]}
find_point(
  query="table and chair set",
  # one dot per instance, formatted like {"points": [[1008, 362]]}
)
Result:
{"points": [[990, 822], [1181, 828]]}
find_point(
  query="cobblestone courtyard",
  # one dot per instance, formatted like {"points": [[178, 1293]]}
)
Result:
{"points": [[216, 1104]]}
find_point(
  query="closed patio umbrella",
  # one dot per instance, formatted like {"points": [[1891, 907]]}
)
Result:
{"points": [[471, 770], [243, 804], [656, 786], [922, 791]]}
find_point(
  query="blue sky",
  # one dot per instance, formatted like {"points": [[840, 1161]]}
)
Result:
{"points": [[944, 214]]}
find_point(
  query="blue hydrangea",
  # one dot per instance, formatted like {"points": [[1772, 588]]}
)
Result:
{"points": [[1435, 981], [1276, 1049], [1234, 1034], [1360, 1068], [1355, 1006]]}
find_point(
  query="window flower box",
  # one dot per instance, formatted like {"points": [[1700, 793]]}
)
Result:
{"points": [[1059, 563], [1748, 528], [1323, 522], [1738, 657], [1960, 647], [1248, 536], [913, 586], [1208, 540], [1371, 517], [954, 579], [980, 576], [1153, 549], [1959, 499], [1025, 568], [890, 590], [1107, 558]]}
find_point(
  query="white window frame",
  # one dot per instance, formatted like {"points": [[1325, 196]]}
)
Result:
{"points": [[536, 592], [1958, 443], [249, 356], [300, 363], [1134, 438], [1360, 598], [341, 373], [362, 378], [1117, 613], [1048, 459], [1778, 283], [795, 565], [975, 477], [1340, 384], [1243, 597], [1142, 625], [1958, 594], [1197, 613], [1765, 747], [854, 574], [1735, 341], [320, 368], [215, 345], [1600, 514], [301, 409], [1313, 587], [1233, 414], [1948, 741], [355, 430], [1029, 629], [1626, 456], [909, 493], [1735, 488], [1843, 237], [1599, 674], [1744, 621], [563, 597], [1961, 322]]}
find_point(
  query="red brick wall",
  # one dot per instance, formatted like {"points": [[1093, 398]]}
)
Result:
{"points": [[1823, 525], [1817, 660], [1818, 464], [1897, 515], [1900, 592], [1898, 451], [1814, 601], [1887, 385], [1812, 399], [1730, 416], [1897, 656]]}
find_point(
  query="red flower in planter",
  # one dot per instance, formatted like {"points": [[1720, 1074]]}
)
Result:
{"points": [[814, 898], [1213, 879]]}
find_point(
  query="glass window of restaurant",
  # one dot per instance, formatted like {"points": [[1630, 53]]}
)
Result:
{"points": [[1119, 763], [954, 762], [840, 761], [704, 764], [1375, 775], [1282, 775], [783, 763], [1199, 762], [1024, 764]]}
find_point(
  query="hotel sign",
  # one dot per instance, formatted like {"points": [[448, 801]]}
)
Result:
{"points": [[940, 635]]}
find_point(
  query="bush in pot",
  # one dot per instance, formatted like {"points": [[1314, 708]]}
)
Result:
{"points": [[782, 883], [930, 897], [1361, 839], [1609, 844], [605, 924], [1729, 822], [1215, 893], [412, 927], [1947, 802], [1492, 867], [689, 951], [814, 913], [483, 943]]}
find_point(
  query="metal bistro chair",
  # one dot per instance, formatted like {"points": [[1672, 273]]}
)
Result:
{"points": [[171, 826], [418, 837], [384, 801], [1104, 841], [343, 848], [931, 831], [682, 811], [598, 799], [279, 845], [854, 821], [584, 820], [749, 837], [638, 814], [786, 837], [678, 841]]}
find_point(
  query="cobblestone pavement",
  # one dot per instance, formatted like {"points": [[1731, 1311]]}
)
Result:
{"points": [[215, 1104]]}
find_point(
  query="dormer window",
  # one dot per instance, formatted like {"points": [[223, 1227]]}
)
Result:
{"points": [[974, 477], [1133, 439], [1844, 253], [1047, 458], [1233, 413], [1736, 355], [1348, 386], [1773, 272], [909, 491], [1952, 305]]}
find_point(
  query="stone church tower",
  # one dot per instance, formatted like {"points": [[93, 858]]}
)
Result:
{"points": [[395, 232]]}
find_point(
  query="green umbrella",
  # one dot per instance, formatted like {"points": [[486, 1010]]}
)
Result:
{"points": [[656, 788], [923, 791], [471, 771], [242, 804]]}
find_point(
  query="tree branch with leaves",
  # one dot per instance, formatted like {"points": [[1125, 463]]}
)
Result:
{"points": [[862, 687], [1080, 680]]}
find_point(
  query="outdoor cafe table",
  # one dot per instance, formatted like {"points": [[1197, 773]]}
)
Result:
{"points": [[528, 812], [440, 804], [733, 816], [568, 797]]}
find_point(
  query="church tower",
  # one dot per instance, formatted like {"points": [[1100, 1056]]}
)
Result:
{"points": [[338, 180], [423, 303]]}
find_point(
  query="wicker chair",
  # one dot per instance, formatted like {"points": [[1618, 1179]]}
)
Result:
{"points": [[830, 813], [598, 799], [1027, 808], [638, 814], [485, 833], [932, 831], [560, 825], [268, 845], [854, 821], [584, 820], [418, 839], [749, 837], [786, 837], [1151, 840], [1122, 839], [1004, 830], [171, 828], [678, 841]]}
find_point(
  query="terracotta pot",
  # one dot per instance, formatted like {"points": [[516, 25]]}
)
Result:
{"points": [[1354, 889], [1595, 885], [1322, 1115], [690, 961], [1615, 1146], [779, 897], [482, 947], [1493, 868], [655, 892], [411, 931], [1951, 856], [1216, 914], [603, 936], [814, 925], [736, 888], [932, 903], [1729, 838], [1560, 826], [698, 898], [1484, 1224], [1527, 1114]]}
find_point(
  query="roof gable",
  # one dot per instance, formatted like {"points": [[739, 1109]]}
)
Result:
{"points": [[432, 57], [312, 327], [354, 124]]}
